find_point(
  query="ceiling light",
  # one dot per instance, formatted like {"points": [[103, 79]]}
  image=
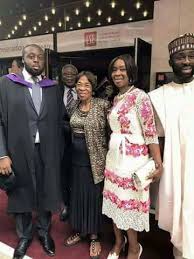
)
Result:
{"points": [[20, 23], [52, 28], [16, 27], [113, 4], [0, 22], [67, 18], [79, 24], [109, 19], [12, 31], [130, 18], [99, 12], [77, 11], [29, 32], [87, 3], [46, 17], [53, 11], [59, 24], [98, 23], [9, 36], [138, 5], [24, 17], [39, 23], [89, 19], [122, 12], [145, 13], [35, 28]]}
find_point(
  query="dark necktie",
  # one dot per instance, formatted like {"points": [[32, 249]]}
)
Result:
{"points": [[36, 94], [69, 99]]}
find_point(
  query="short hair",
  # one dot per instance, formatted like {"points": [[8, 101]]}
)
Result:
{"points": [[130, 67], [90, 76], [71, 66], [31, 45], [18, 62]]}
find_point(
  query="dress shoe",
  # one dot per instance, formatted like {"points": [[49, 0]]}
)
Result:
{"points": [[48, 244], [21, 248], [64, 215]]}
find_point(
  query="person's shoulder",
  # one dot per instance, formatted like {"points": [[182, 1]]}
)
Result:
{"points": [[3, 80], [160, 90], [101, 101], [140, 93]]}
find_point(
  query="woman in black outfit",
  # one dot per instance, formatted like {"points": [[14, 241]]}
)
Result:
{"points": [[89, 147]]}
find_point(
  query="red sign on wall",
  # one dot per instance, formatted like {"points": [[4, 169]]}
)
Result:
{"points": [[90, 39]]}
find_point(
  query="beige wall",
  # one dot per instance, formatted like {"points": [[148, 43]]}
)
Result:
{"points": [[171, 19]]}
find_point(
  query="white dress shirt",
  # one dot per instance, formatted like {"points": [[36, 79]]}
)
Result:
{"points": [[74, 93], [28, 78]]}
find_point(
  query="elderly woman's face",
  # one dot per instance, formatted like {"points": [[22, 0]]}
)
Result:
{"points": [[84, 88], [119, 74]]}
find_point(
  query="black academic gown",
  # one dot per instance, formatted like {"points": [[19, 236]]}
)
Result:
{"points": [[16, 142], [66, 166]]}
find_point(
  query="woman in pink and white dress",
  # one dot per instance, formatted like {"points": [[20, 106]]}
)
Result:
{"points": [[133, 141]]}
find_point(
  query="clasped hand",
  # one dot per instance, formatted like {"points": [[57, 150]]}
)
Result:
{"points": [[155, 176]]}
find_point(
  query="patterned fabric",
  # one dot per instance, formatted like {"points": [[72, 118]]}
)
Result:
{"points": [[181, 43], [69, 98], [132, 122], [96, 134]]}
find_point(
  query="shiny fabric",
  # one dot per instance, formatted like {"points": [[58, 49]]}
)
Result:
{"points": [[96, 134]]}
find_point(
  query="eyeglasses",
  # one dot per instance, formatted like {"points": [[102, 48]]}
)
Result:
{"points": [[86, 85]]}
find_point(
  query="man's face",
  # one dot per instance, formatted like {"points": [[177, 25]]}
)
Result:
{"points": [[14, 68], [34, 60], [69, 76], [182, 64]]}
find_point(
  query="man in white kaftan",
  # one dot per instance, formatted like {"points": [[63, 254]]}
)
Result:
{"points": [[174, 106]]}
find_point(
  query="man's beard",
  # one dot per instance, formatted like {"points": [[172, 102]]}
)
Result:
{"points": [[180, 74], [32, 71]]}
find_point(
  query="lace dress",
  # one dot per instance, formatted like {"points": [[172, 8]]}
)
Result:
{"points": [[133, 128]]}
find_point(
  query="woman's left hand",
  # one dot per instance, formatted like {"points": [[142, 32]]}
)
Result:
{"points": [[155, 176]]}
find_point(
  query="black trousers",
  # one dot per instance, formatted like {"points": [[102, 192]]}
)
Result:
{"points": [[24, 225]]}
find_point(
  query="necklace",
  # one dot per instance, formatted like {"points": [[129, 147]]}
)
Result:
{"points": [[120, 95], [87, 109]]}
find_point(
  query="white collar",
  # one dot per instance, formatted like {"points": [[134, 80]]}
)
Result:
{"points": [[28, 76]]}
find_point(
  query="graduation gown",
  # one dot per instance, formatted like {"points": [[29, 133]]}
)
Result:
{"points": [[16, 141]]}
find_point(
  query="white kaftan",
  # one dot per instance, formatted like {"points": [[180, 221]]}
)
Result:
{"points": [[174, 104]]}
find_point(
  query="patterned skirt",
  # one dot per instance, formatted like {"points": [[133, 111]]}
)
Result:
{"points": [[122, 202]]}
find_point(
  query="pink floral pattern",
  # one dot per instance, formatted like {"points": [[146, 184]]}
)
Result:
{"points": [[132, 123], [145, 111], [134, 150], [123, 182], [123, 111], [131, 204]]}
